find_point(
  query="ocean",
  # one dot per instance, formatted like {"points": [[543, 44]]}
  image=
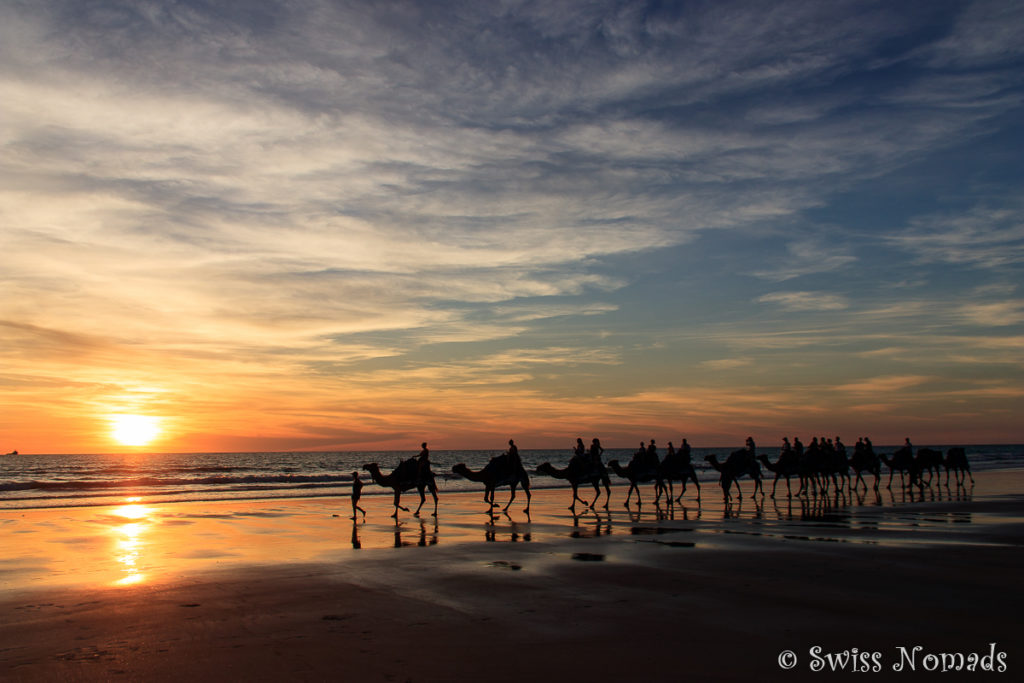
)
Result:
{"points": [[55, 480]]}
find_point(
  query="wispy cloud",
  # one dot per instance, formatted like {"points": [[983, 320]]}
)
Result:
{"points": [[805, 301], [983, 237]]}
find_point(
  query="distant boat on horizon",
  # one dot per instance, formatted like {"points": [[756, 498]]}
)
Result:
{"points": [[12, 453]]}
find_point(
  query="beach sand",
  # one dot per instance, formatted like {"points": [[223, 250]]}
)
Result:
{"points": [[294, 590]]}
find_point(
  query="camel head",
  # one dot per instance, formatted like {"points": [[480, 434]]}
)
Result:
{"points": [[544, 468], [460, 468], [617, 468]]}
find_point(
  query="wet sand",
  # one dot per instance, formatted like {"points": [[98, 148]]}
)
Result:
{"points": [[285, 590]]}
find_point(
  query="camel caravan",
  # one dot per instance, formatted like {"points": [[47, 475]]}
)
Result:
{"points": [[823, 466]]}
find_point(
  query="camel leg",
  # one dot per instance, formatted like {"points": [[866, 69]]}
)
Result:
{"points": [[513, 497], [423, 499], [739, 491], [398, 496], [607, 493], [576, 496], [526, 509]]}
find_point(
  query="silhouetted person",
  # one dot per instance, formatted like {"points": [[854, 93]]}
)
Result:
{"points": [[751, 449], [684, 452], [595, 452], [798, 446], [786, 448], [357, 491], [423, 460], [651, 459], [580, 450], [513, 454]]}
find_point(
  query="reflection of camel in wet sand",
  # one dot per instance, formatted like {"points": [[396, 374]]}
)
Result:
{"points": [[738, 464], [956, 460], [581, 470], [405, 477], [500, 471], [637, 473]]}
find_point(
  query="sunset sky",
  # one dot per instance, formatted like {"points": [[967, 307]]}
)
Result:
{"points": [[360, 225]]}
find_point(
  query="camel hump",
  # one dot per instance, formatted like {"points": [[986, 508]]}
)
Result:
{"points": [[408, 469], [498, 464]]}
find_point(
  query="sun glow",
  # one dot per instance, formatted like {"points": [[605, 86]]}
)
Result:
{"points": [[134, 430]]}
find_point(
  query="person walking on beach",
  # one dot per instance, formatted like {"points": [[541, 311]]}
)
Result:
{"points": [[357, 491]]}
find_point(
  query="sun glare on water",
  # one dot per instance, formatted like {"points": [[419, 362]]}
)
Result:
{"points": [[134, 430]]}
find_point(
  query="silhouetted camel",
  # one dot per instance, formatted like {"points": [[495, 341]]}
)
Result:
{"points": [[927, 460], [787, 465], [902, 461], [637, 472], [405, 477], [738, 464], [500, 471], [678, 466], [836, 465], [581, 470], [865, 460], [956, 460]]}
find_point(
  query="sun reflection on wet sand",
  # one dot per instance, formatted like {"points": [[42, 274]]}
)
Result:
{"points": [[129, 543]]}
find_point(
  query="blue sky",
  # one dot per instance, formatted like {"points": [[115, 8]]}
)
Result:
{"points": [[355, 224]]}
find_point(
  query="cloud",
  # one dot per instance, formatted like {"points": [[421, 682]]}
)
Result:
{"points": [[805, 301], [727, 363], [983, 237], [807, 257], [995, 314], [883, 385]]}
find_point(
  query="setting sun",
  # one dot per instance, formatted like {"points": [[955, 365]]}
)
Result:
{"points": [[134, 430]]}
